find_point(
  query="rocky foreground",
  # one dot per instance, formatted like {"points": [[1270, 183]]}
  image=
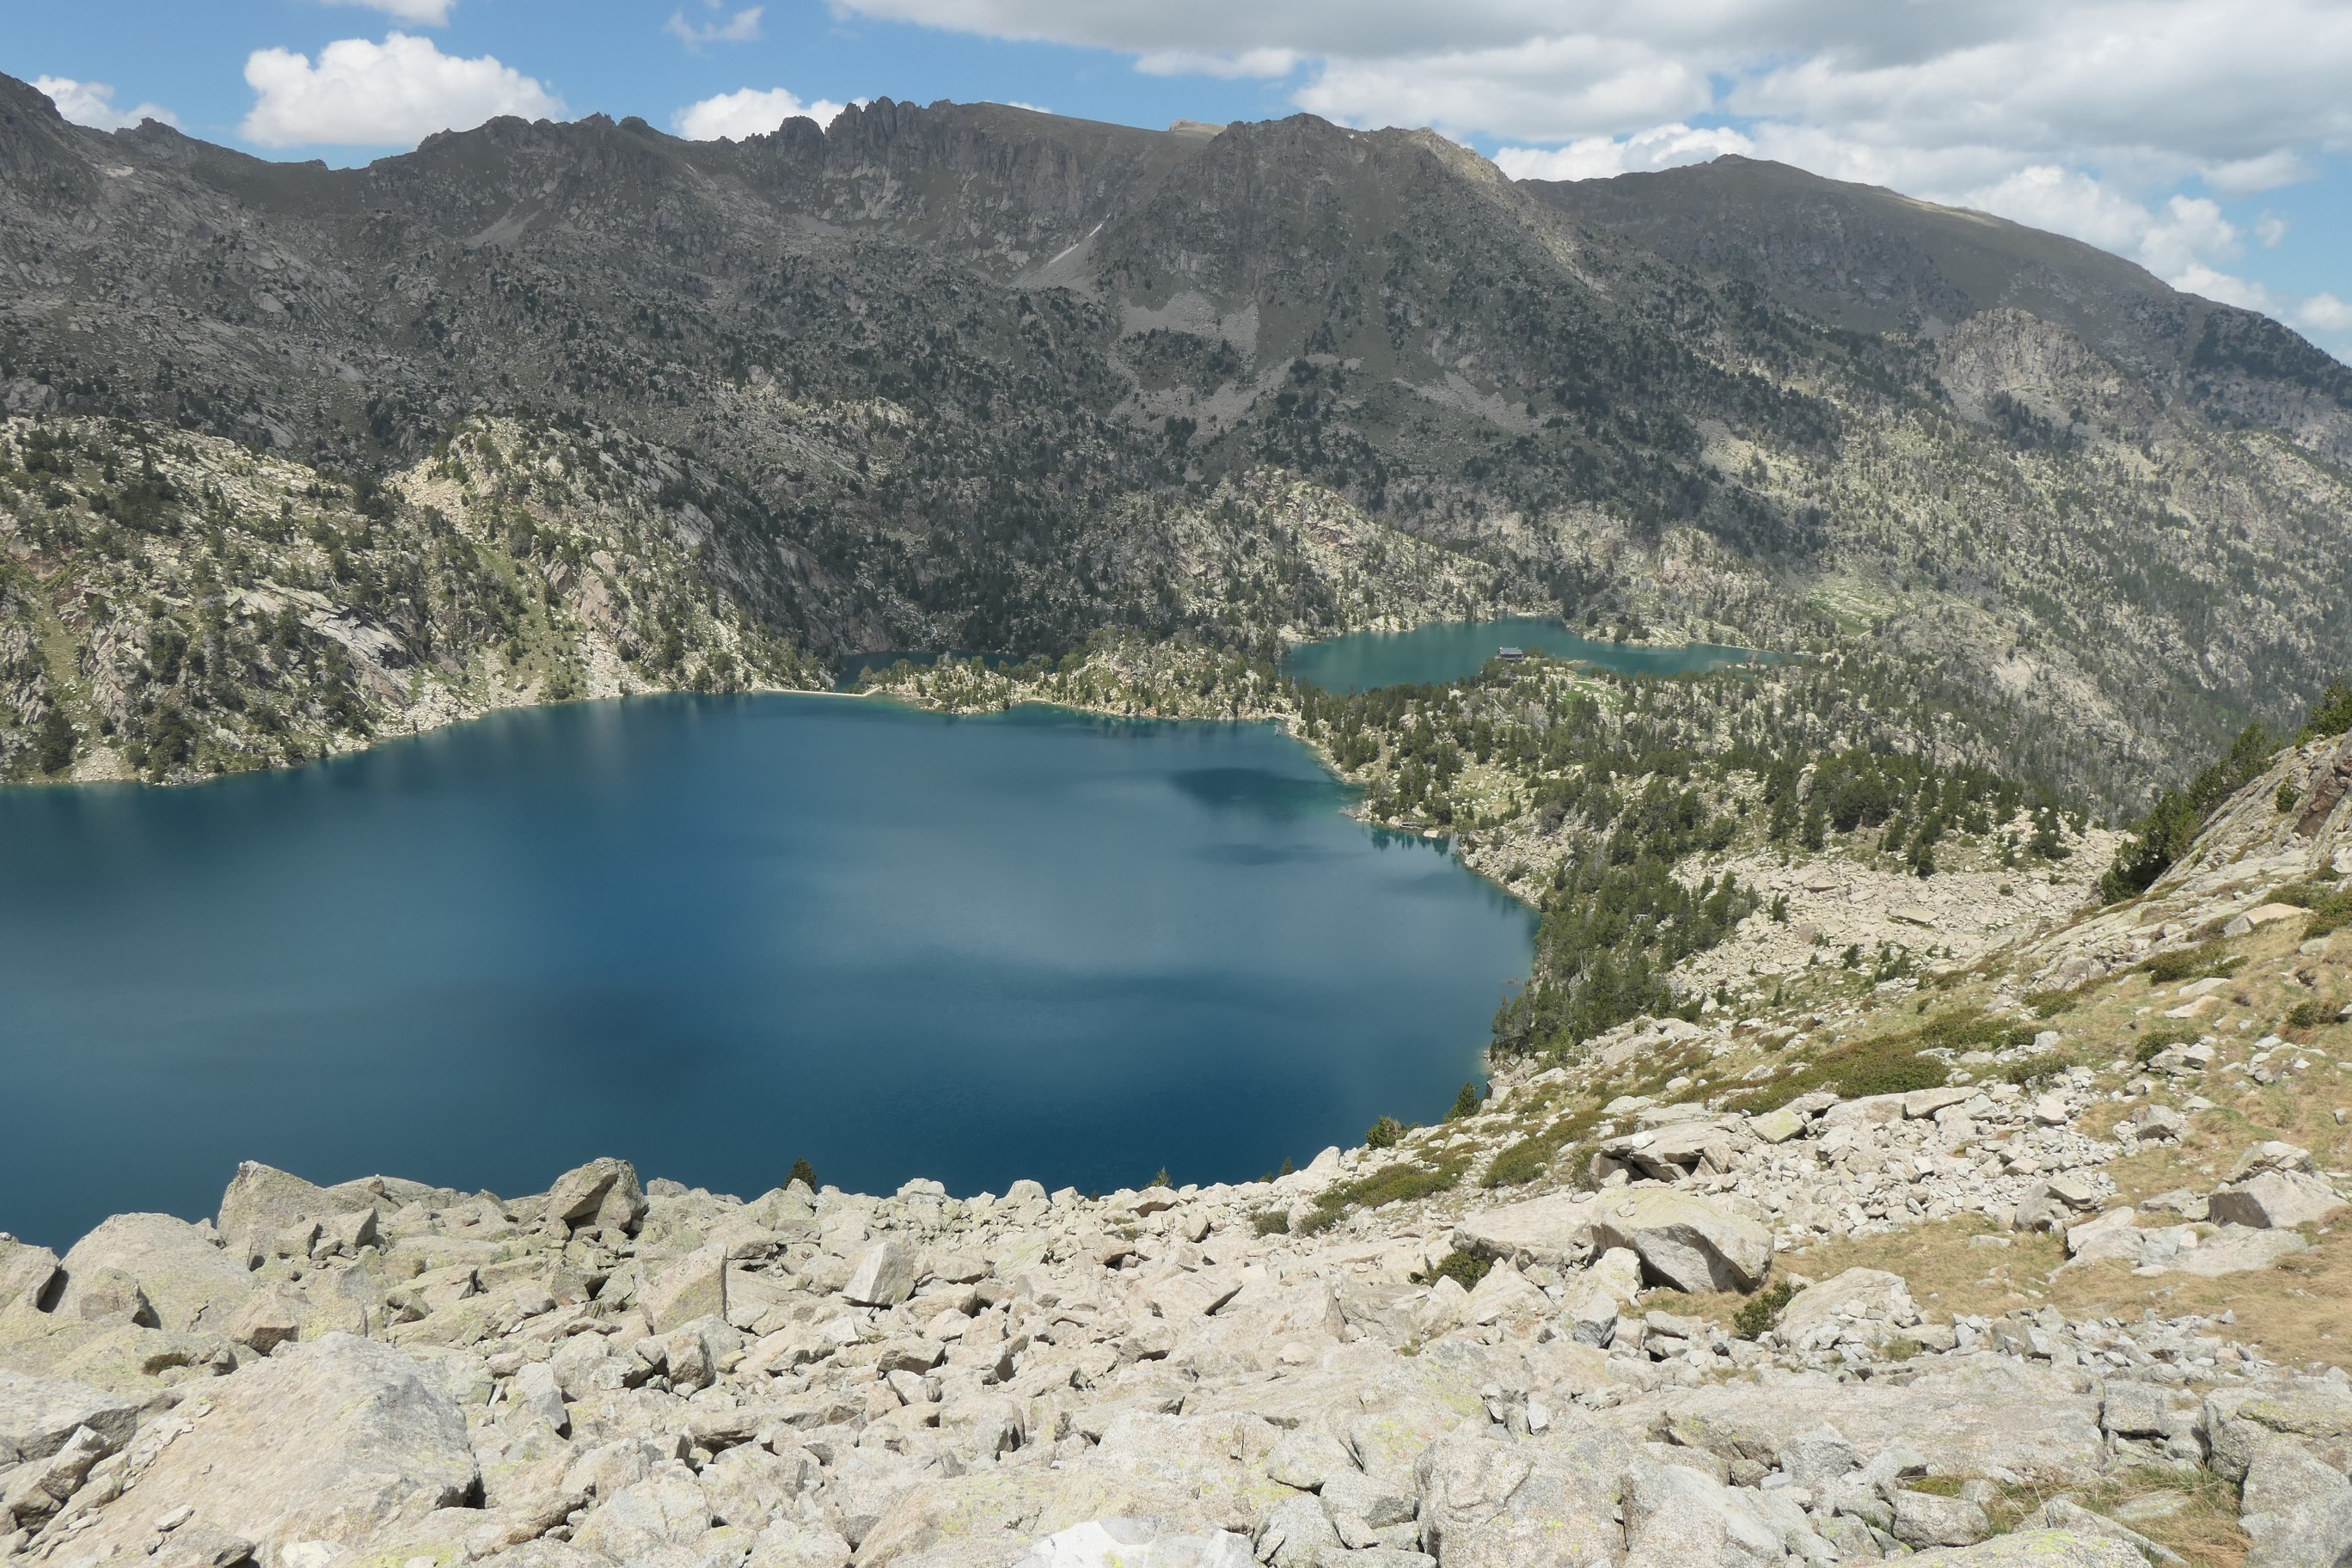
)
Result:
{"points": [[1702, 1323]]}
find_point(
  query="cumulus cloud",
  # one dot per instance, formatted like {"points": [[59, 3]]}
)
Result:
{"points": [[742, 27], [1600, 157], [1260, 63], [394, 93], [92, 103], [2325, 313], [749, 111], [416, 13]]}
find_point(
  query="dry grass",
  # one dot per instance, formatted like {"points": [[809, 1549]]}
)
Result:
{"points": [[1947, 1275], [2202, 1528]]}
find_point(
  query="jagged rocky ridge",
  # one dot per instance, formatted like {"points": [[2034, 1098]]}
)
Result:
{"points": [[967, 376], [1431, 1350]]}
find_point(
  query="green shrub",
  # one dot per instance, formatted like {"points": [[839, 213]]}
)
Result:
{"points": [[2287, 797], [2310, 1015], [1158, 1180], [2050, 1004], [2162, 1039], [2033, 1070], [1467, 1102], [2172, 824], [1384, 1133], [1759, 1312], [1390, 1184], [2190, 964], [1464, 1268], [2328, 916], [803, 1171], [1271, 1222], [2331, 715]]}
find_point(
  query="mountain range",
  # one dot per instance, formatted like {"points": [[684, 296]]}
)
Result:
{"points": [[541, 410]]}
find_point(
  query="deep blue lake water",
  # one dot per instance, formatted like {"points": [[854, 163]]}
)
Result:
{"points": [[714, 934], [1450, 650]]}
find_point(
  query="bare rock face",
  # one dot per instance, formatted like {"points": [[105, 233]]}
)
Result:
{"points": [[2274, 1200], [37, 1414], [27, 1273], [345, 1442], [692, 1289], [1554, 1230], [190, 1284], [1685, 1241], [2036, 1549]]}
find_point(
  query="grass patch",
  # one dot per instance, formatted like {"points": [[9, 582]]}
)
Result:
{"points": [[2203, 1528], [1271, 1222], [1390, 1184], [1892, 1065], [1531, 1157], [2050, 1004]]}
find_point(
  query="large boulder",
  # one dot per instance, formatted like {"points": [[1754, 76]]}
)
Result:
{"points": [[1553, 1231], [2035, 1548], [1489, 1503], [1685, 1241], [693, 1288], [263, 1201], [883, 1275], [38, 1414], [1139, 1544], [2295, 1508], [2274, 1200], [346, 1442], [1964, 1416], [1678, 1517], [1865, 1306], [25, 1272], [192, 1284], [604, 1193]]}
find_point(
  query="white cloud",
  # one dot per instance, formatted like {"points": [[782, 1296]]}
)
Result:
{"points": [[417, 13], [394, 93], [750, 112], [2270, 229], [1599, 157], [1259, 63], [2325, 313], [92, 103], [742, 27]]}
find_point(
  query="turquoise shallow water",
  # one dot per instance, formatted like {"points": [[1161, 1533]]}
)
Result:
{"points": [[1450, 650], [714, 934]]}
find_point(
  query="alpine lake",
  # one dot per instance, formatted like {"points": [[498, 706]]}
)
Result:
{"points": [[716, 934]]}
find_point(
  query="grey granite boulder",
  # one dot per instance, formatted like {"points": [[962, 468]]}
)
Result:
{"points": [[347, 1442]]}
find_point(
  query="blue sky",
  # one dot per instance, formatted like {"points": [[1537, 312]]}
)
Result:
{"points": [[2208, 140]]}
